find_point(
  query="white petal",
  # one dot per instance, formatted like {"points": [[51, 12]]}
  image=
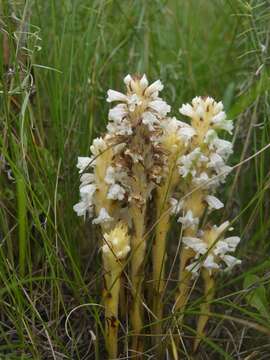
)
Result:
{"points": [[128, 79], [150, 120], [144, 82], [187, 110], [80, 208], [83, 163], [232, 241], [118, 112], [102, 217], [188, 221], [115, 96], [196, 244], [160, 107], [210, 263], [231, 261], [116, 192], [153, 88], [194, 268], [214, 202]]}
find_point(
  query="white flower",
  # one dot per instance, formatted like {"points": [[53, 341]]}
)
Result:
{"points": [[83, 163], [143, 82], [216, 162], [87, 178], [176, 206], [103, 217], [118, 112], [128, 79], [209, 263], [187, 110], [209, 137], [230, 261], [110, 175], [115, 96], [219, 122], [201, 180], [213, 202], [194, 268], [120, 128], [232, 242], [160, 106], [188, 221], [133, 101], [189, 162], [98, 146], [82, 208], [154, 88], [186, 133], [196, 244], [150, 120], [223, 148], [116, 192], [86, 203]]}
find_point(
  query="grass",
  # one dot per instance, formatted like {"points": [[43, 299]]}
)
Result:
{"points": [[58, 60]]}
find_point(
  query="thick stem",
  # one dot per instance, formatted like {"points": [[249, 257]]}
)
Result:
{"points": [[111, 302], [159, 261], [159, 247], [138, 244], [209, 285]]}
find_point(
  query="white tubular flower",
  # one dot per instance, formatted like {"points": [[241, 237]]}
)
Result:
{"points": [[116, 244], [115, 96], [210, 137], [220, 122], [187, 110], [188, 221], [230, 261], [223, 148], [103, 217], [196, 244], [201, 180], [120, 128], [209, 263], [189, 163], [116, 192], [194, 268], [86, 179], [150, 120], [83, 163], [186, 133], [98, 146], [176, 206], [213, 202], [154, 88], [86, 204], [144, 82], [160, 106], [118, 112]]}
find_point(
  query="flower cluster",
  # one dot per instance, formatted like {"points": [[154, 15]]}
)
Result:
{"points": [[212, 249], [203, 166], [133, 136], [116, 244]]}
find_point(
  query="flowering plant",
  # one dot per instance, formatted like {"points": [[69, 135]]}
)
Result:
{"points": [[148, 160]]}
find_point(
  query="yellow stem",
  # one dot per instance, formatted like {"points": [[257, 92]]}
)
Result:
{"points": [[138, 244], [209, 284], [111, 302]]}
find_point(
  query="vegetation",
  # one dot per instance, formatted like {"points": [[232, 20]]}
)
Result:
{"points": [[58, 60]]}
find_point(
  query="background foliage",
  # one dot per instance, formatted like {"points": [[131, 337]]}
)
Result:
{"points": [[59, 57]]}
